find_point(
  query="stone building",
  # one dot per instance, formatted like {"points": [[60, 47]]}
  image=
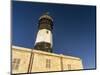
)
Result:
{"points": [[25, 60]]}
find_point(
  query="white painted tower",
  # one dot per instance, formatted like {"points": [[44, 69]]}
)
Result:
{"points": [[44, 35]]}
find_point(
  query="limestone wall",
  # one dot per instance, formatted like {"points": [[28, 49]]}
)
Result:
{"points": [[20, 60], [26, 60], [45, 62]]}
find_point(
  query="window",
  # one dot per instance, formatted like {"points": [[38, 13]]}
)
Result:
{"points": [[15, 63], [69, 66], [47, 32], [48, 63]]}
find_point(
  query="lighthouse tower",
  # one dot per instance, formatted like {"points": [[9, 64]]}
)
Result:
{"points": [[44, 35]]}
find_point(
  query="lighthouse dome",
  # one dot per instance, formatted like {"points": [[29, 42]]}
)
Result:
{"points": [[46, 16]]}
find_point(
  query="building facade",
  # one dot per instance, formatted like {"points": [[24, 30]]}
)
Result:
{"points": [[25, 60]]}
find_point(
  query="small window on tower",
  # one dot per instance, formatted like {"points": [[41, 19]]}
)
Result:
{"points": [[47, 32]]}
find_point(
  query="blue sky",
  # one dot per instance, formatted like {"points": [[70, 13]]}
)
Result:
{"points": [[74, 28]]}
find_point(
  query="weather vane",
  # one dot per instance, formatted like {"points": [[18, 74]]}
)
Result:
{"points": [[47, 13]]}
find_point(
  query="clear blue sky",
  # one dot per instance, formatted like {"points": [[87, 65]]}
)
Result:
{"points": [[74, 28]]}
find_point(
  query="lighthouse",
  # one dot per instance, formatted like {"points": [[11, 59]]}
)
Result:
{"points": [[42, 58], [44, 35]]}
